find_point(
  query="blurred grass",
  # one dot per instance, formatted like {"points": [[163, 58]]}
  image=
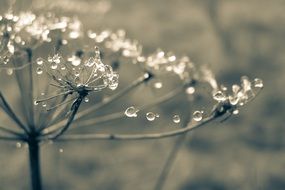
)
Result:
{"points": [[236, 37]]}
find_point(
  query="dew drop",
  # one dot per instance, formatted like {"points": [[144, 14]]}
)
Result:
{"points": [[53, 65], [40, 61], [131, 112], [18, 145], [176, 119], [10, 71], [233, 100], [39, 71], [86, 99], [235, 88], [190, 90], [219, 96], [258, 83], [235, 112], [75, 61], [60, 150], [198, 115], [157, 85], [44, 105], [224, 88], [90, 62], [36, 103], [150, 116]]}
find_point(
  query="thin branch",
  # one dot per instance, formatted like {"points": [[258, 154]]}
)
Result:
{"points": [[10, 131], [6, 107], [52, 97], [169, 162], [5, 138], [74, 108], [190, 127]]}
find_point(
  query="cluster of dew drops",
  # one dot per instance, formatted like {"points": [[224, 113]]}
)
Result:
{"points": [[151, 116]]}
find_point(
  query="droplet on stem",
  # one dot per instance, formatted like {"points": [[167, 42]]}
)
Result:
{"points": [[198, 115], [150, 116], [219, 96], [176, 119], [258, 83], [39, 71], [131, 112]]}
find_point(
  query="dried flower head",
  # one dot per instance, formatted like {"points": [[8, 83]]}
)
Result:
{"points": [[77, 74]]}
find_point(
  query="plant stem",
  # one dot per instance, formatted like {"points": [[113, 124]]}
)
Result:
{"points": [[35, 171], [169, 162]]}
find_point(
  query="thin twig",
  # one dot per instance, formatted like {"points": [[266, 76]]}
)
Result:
{"points": [[6, 107], [75, 108], [10, 131], [5, 138], [169, 162]]}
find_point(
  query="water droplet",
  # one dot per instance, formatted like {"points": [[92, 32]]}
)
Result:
{"points": [[157, 85], [150, 116], [86, 99], [233, 100], [131, 112], [60, 150], [19, 145], [36, 103], [90, 62], [224, 88], [9, 71], [157, 115], [176, 119], [219, 96], [75, 61], [235, 112], [245, 83], [39, 71], [53, 65], [44, 105], [258, 83], [198, 115], [190, 90], [40, 61], [235, 88]]}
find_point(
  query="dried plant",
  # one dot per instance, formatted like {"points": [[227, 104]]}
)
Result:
{"points": [[82, 63]]}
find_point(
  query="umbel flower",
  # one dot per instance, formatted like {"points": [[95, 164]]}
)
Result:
{"points": [[77, 75]]}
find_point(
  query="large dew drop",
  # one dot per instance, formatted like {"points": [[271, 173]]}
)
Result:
{"points": [[198, 115], [150, 116], [131, 112], [176, 119]]}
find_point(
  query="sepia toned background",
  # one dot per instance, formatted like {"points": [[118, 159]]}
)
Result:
{"points": [[234, 37]]}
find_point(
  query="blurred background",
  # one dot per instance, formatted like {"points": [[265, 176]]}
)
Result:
{"points": [[234, 37]]}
